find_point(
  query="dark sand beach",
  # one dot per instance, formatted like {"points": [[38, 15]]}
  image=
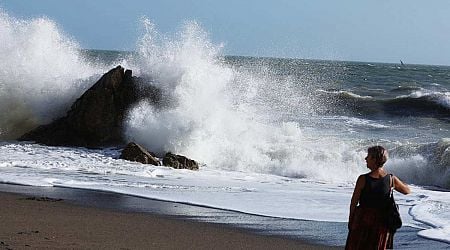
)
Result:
{"points": [[56, 217], [36, 222]]}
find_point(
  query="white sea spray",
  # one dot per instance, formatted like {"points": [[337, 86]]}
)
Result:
{"points": [[42, 72], [213, 123]]}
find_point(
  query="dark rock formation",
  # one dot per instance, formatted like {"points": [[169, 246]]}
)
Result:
{"points": [[179, 162], [96, 118], [134, 152]]}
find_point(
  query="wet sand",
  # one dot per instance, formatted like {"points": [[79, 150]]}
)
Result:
{"points": [[30, 222]]}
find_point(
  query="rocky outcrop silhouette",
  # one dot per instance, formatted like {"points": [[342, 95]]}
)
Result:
{"points": [[179, 162], [135, 152], [96, 118]]}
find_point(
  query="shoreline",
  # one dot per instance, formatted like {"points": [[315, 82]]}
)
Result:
{"points": [[57, 221], [246, 230]]}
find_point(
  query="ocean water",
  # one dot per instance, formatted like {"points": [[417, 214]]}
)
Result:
{"points": [[277, 137]]}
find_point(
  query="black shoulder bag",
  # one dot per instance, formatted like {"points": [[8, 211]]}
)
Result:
{"points": [[393, 220]]}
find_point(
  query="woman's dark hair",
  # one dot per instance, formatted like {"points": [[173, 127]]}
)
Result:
{"points": [[379, 153]]}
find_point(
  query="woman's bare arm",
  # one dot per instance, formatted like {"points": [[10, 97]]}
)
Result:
{"points": [[400, 186], [355, 197]]}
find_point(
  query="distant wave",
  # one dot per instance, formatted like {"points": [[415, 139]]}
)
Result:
{"points": [[405, 88], [419, 103], [344, 94], [441, 98], [353, 121]]}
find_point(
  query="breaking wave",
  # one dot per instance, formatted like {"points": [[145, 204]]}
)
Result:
{"points": [[423, 164], [421, 103], [224, 116], [42, 72]]}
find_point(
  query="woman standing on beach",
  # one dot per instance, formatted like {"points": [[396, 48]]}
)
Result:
{"points": [[367, 227]]}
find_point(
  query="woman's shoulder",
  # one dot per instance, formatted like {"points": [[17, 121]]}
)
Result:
{"points": [[362, 177], [361, 180]]}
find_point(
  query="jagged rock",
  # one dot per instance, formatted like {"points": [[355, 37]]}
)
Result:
{"points": [[179, 162], [96, 118], [135, 152]]}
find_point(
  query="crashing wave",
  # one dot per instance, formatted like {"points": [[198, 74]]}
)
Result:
{"points": [[43, 72], [423, 164]]}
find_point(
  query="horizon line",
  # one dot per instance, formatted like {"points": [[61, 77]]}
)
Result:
{"points": [[295, 58]]}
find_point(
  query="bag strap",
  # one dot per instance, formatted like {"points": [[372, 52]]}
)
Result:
{"points": [[392, 184]]}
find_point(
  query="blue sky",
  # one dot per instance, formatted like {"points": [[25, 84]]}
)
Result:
{"points": [[415, 31]]}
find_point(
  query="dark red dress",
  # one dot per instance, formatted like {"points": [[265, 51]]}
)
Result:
{"points": [[368, 228]]}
